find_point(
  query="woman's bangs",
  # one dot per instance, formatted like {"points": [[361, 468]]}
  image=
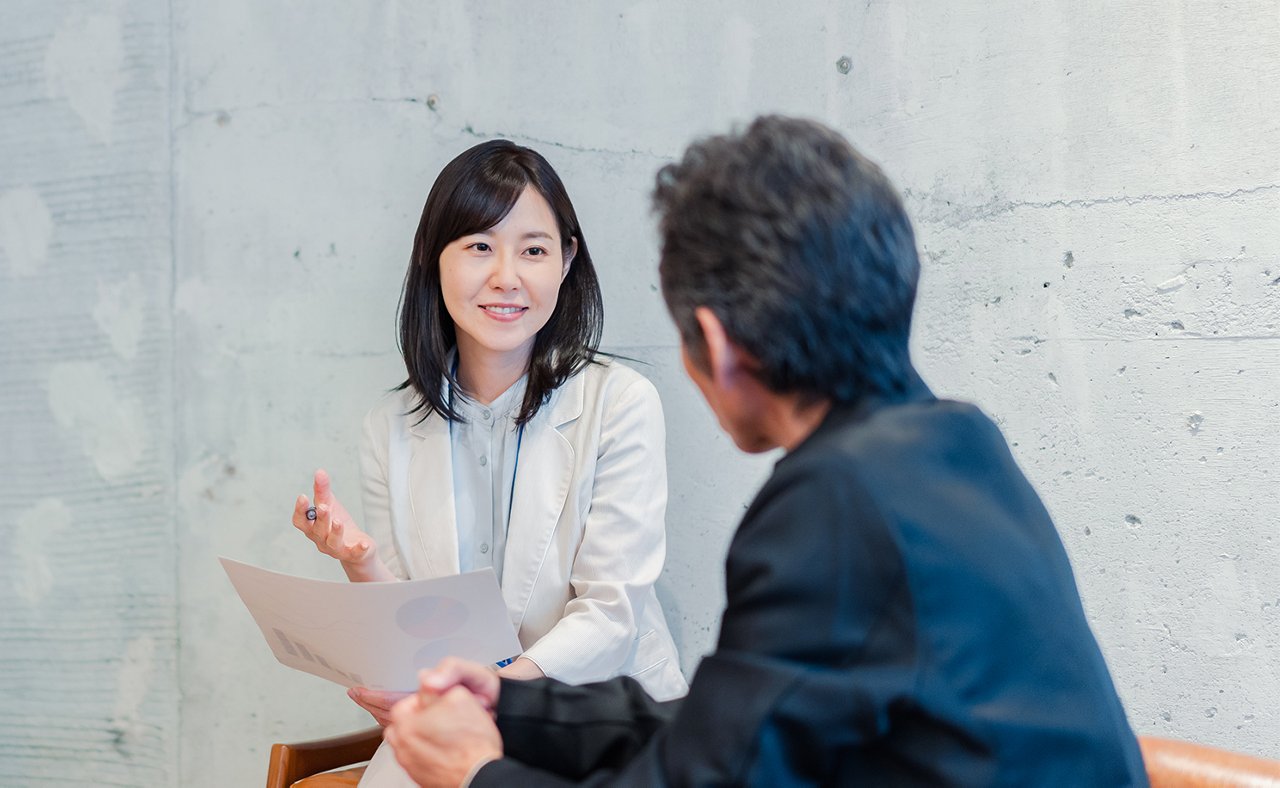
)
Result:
{"points": [[480, 203]]}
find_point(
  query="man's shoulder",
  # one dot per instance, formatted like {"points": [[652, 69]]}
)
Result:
{"points": [[899, 436], [867, 463]]}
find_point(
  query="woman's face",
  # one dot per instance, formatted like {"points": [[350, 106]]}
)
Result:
{"points": [[500, 285]]}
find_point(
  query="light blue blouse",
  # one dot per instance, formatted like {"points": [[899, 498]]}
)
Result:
{"points": [[485, 448]]}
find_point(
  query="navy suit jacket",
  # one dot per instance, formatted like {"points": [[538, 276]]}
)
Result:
{"points": [[900, 611]]}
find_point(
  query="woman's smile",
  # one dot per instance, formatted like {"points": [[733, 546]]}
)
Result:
{"points": [[505, 313]]}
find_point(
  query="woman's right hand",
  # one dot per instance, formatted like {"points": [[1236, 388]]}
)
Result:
{"points": [[335, 534]]}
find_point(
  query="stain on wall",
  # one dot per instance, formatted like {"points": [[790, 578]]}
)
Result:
{"points": [[25, 230], [83, 67]]}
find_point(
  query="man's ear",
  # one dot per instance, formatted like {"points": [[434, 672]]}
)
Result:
{"points": [[722, 356], [569, 254]]}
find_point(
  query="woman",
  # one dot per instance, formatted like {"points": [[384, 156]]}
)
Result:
{"points": [[513, 443]]}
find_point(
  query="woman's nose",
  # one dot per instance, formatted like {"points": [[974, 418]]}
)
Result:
{"points": [[504, 275]]}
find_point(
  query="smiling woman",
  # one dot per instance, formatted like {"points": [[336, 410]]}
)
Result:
{"points": [[513, 443]]}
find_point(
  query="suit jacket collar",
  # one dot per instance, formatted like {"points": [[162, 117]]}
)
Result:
{"points": [[915, 390]]}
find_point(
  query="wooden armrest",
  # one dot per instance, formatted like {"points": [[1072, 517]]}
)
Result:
{"points": [[292, 762], [1181, 764]]}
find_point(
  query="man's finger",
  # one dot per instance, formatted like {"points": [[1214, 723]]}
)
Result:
{"points": [[453, 672]]}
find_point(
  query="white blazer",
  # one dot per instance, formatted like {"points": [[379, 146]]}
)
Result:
{"points": [[586, 541]]}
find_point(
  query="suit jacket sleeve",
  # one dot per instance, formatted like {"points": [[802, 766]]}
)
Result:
{"points": [[813, 644], [569, 731], [623, 544]]}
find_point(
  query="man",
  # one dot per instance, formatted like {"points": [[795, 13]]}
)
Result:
{"points": [[899, 607]]}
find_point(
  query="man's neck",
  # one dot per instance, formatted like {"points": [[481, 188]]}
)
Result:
{"points": [[794, 418]]}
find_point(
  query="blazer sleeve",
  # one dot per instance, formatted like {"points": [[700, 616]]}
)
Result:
{"points": [[375, 487], [542, 724], [623, 544], [814, 643]]}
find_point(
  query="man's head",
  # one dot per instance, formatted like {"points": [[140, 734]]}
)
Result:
{"points": [[795, 251]]}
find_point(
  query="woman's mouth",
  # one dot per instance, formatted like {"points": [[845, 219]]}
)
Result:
{"points": [[503, 311]]}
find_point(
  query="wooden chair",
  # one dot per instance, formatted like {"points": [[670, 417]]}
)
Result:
{"points": [[1180, 764], [1170, 764], [308, 764]]}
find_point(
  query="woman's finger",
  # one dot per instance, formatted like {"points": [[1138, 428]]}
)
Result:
{"points": [[376, 699], [335, 540], [320, 528], [300, 514], [376, 703], [323, 492]]}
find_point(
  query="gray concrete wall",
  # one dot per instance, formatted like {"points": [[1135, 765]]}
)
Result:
{"points": [[205, 213]]}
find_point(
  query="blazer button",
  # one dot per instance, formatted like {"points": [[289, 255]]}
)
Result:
{"points": [[484, 548]]}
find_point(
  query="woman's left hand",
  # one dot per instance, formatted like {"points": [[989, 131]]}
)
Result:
{"points": [[523, 669], [376, 702]]}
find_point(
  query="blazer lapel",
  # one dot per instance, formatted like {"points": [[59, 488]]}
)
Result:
{"points": [[434, 537], [544, 474]]}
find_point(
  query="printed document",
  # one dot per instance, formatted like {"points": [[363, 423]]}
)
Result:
{"points": [[376, 635]]}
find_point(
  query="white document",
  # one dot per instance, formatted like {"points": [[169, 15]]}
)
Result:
{"points": [[376, 635]]}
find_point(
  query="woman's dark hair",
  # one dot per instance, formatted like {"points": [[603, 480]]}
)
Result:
{"points": [[473, 193], [801, 248]]}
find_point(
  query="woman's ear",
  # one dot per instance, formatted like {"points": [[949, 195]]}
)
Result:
{"points": [[569, 254]]}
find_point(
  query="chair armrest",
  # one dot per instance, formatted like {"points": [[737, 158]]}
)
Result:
{"points": [[292, 762], [1181, 764]]}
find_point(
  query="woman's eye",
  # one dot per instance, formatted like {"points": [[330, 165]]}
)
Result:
{"points": [[535, 251], [480, 246]]}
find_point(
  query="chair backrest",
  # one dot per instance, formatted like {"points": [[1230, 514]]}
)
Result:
{"points": [[292, 762], [1180, 764]]}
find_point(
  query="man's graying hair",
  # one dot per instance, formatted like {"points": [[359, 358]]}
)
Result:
{"points": [[801, 248]]}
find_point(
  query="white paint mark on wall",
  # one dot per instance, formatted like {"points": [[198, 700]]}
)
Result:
{"points": [[83, 65], [193, 298], [36, 530], [132, 685], [120, 312], [26, 228], [112, 429]]}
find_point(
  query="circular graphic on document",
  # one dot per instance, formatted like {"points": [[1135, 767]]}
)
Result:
{"points": [[431, 617], [433, 652]]}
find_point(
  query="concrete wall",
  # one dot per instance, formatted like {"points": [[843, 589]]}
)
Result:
{"points": [[205, 213]]}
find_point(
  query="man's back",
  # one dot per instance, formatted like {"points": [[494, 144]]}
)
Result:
{"points": [[901, 571]]}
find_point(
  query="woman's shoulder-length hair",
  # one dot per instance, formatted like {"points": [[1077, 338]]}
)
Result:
{"points": [[473, 193]]}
